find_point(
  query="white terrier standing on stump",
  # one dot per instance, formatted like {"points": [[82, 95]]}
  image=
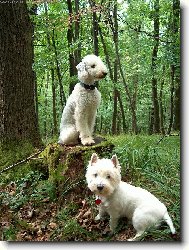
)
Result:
{"points": [[119, 199], [78, 118]]}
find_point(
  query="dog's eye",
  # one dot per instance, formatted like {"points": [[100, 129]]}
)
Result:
{"points": [[95, 175], [108, 176], [93, 66]]}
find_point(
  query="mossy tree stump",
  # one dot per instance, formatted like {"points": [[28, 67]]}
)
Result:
{"points": [[66, 165]]}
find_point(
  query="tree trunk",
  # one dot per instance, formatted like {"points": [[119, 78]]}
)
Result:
{"points": [[55, 130], [176, 125], [171, 99], [106, 54], [151, 121], [95, 27], [18, 120], [71, 39], [122, 112], [114, 116], [176, 37], [77, 52], [161, 104], [58, 71], [156, 126], [45, 121], [115, 92]]}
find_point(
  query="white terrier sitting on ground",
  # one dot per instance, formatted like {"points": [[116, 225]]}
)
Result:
{"points": [[79, 114], [119, 199]]}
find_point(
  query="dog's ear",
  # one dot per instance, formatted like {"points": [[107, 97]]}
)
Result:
{"points": [[94, 158], [82, 71], [81, 66], [115, 161]]}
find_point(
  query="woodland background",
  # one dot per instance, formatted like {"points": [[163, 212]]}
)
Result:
{"points": [[140, 43], [41, 42], [138, 40]]}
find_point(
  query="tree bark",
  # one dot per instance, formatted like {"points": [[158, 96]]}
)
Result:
{"points": [[156, 125], [176, 37], [171, 99], [55, 130], [95, 27], [77, 52], [45, 121], [122, 112], [18, 119], [74, 55], [115, 92], [58, 71], [161, 104]]}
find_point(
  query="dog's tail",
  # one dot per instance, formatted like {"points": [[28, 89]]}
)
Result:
{"points": [[169, 222]]}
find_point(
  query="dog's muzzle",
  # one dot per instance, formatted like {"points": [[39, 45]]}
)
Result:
{"points": [[100, 187]]}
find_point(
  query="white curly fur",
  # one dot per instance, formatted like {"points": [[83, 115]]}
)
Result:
{"points": [[119, 199], [79, 114]]}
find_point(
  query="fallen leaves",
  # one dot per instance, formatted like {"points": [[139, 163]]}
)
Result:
{"points": [[39, 221]]}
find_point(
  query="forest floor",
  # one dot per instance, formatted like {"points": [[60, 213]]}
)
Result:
{"points": [[31, 211]]}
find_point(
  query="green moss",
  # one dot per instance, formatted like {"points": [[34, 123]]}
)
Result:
{"points": [[63, 161]]}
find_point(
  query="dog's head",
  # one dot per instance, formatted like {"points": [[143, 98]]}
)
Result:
{"points": [[91, 69], [103, 175]]}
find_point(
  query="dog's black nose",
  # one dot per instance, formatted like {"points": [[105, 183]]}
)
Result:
{"points": [[105, 73], [100, 187]]}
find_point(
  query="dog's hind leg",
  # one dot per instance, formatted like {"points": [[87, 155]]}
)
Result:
{"points": [[69, 136]]}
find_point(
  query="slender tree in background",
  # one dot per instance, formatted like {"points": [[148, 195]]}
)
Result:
{"points": [[176, 36], [94, 27], [72, 37], [155, 103], [18, 120]]}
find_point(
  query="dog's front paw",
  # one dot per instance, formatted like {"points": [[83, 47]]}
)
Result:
{"points": [[87, 141]]}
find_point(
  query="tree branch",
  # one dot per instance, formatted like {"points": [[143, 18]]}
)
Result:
{"points": [[20, 162]]}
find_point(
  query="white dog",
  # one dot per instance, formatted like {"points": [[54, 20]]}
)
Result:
{"points": [[79, 114], [119, 199]]}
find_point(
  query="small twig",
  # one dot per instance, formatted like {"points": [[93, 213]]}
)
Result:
{"points": [[162, 138], [20, 162], [167, 135]]}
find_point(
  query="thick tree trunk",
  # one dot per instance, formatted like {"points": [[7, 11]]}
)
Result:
{"points": [[18, 120]]}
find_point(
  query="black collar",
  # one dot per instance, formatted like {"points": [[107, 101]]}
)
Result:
{"points": [[86, 86]]}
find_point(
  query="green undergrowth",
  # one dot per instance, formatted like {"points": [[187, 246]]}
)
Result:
{"points": [[30, 209], [13, 154]]}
